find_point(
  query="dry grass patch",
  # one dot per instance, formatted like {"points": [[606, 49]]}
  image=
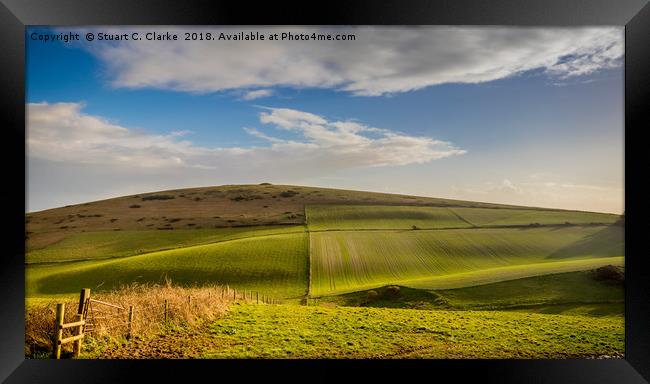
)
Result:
{"points": [[110, 324]]}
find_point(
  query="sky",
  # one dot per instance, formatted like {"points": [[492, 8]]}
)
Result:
{"points": [[526, 116]]}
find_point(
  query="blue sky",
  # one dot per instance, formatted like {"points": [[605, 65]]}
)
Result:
{"points": [[533, 120]]}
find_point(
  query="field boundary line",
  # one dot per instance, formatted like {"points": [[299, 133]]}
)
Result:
{"points": [[504, 226], [461, 218], [437, 205]]}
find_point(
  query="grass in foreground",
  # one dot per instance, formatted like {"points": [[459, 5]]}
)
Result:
{"points": [[274, 265], [285, 331], [348, 261], [290, 331]]}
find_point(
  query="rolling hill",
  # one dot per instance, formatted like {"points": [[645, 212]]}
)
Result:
{"points": [[213, 207], [296, 242], [378, 275]]}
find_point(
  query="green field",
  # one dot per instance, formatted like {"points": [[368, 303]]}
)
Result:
{"points": [[556, 289], [348, 332], [335, 217], [274, 265], [111, 244], [493, 275], [348, 261]]}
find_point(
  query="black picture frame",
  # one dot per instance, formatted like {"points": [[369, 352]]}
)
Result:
{"points": [[633, 14]]}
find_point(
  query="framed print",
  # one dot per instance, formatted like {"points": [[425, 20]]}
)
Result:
{"points": [[376, 188]]}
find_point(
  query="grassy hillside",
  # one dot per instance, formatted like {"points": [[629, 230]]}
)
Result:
{"points": [[207, 207], [275, 265], [580, 288], [580, 292], [355, 217], [475, 280], [510, 272], [253, 237], [351, 260], [111, 244]]}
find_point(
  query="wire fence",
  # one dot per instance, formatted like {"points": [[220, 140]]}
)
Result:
{"points": [[104, 317], [132, 311]]}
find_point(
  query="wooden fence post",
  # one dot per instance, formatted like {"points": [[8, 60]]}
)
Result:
{"points": [[128, 335], [257, 295], [234, 294], [76, 346], [84, 296], [58, 330], [166, 311], [189, 301]]}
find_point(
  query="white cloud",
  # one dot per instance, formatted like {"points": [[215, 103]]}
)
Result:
{"points": [[61, 132], [382, 60], [259, 93], [346, 140], [508, 185]]}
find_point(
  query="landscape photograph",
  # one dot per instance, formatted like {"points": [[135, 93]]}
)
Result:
{"points": [[324, 193]]}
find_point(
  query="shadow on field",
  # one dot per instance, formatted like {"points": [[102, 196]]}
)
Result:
{"points": [[595, 293], [607, 242], [392, 296], [107, 278]]}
